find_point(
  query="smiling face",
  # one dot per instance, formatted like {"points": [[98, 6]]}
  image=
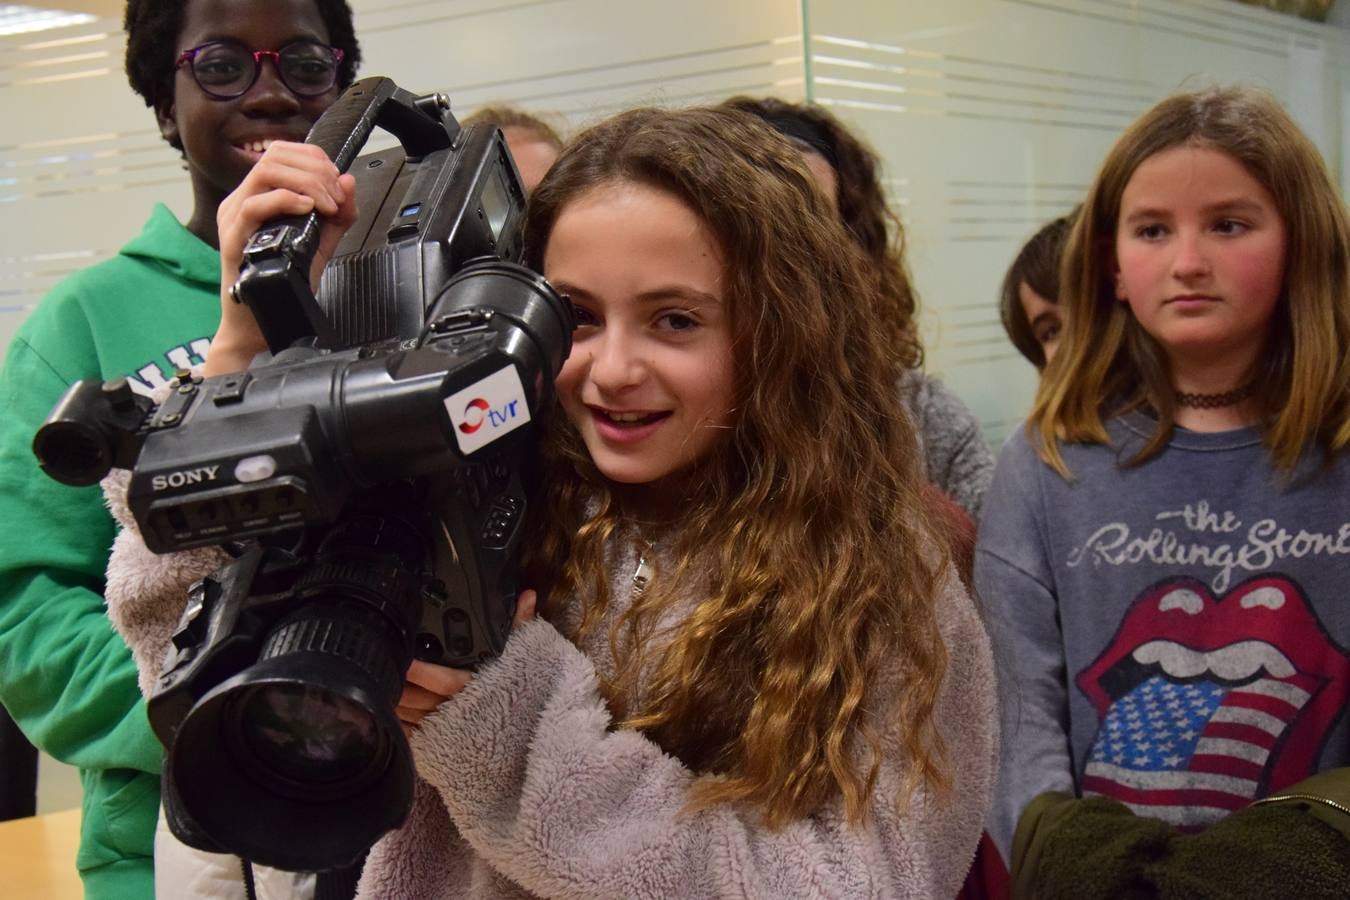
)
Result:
{"points": [[1200, 254], [222, 139], [649, 383]]}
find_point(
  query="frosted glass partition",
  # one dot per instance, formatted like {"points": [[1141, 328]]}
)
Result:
{"points": [[81, 160], [992, 116]]}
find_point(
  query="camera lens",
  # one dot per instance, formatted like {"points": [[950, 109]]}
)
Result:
{"points": [[72, 453], [307, 735], [297, 762]]}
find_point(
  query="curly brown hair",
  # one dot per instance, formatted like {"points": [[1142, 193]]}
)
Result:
{"points": [[862, 205], [814, 562]]}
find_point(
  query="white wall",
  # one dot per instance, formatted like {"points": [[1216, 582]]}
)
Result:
{"points": [[991, 115]]}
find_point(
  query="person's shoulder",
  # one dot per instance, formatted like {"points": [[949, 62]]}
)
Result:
{"points": [[163, 256], [1018, 451], [89, 283], [927, 392], [1025, 480], [105, 278], [1022, 447], [63, 313], [1017, 477], [163, 261]]}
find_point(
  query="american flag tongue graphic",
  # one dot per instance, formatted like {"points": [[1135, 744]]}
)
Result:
{"points": [[1189, 753]]}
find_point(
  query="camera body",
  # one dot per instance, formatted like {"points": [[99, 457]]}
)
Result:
{"points": [[370, 471]]}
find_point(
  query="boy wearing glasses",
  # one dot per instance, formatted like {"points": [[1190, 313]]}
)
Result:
{"points": [[224, 78]]}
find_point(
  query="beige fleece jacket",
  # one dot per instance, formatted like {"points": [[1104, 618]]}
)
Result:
{"points": [[526, 787]]}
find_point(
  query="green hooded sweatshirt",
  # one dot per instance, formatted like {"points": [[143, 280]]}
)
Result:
{"points": [[65, 676]]}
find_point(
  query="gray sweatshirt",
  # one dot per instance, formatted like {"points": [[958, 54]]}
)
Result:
{"points": [[1175, 633], [526, 787], [956, 458]]}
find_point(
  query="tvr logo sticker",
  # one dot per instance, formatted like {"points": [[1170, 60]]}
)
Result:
{"points": [[488, 409], [474, 417]]}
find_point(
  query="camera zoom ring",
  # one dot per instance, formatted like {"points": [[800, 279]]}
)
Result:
{"points": [[376, 581], [349, 638]]}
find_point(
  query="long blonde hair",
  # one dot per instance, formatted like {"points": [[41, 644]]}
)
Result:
{"points": [[1109, 364], [804, 542]]}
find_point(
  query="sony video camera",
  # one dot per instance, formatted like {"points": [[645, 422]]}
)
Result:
{"points": [[369, 475]]}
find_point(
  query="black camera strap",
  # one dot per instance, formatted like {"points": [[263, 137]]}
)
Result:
{"points": [[339, 884], [334, 884], [250, 889]]}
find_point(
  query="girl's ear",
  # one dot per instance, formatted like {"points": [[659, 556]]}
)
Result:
{"points": [[1116, 279], [168, 124]]}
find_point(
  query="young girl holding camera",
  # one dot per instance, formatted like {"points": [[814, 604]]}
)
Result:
{"points": [[754, 672], [1164, 547]]}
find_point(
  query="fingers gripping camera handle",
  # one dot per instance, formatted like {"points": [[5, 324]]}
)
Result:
{"points": [[274, 276]]}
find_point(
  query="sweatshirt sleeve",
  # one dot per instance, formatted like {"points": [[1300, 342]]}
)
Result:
{"points": [[65, 676], [541, 783], [1013, 580], [1097, 849]]}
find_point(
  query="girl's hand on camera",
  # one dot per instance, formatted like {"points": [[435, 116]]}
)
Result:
{"points": [[289, 180], [427, 686], [525, 604]]}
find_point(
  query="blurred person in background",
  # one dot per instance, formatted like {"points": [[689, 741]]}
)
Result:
{"points": [[1029, 302], [957, 460], [534, 144]]}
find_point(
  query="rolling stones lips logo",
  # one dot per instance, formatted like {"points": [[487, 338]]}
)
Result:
{"points": [[1208, 702]]}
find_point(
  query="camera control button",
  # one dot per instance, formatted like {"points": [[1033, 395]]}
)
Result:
{"points": [[255, 468]]}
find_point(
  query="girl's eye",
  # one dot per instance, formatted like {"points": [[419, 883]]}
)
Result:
{"points": [[1048, 332], [1150, 232], [677, 321], [583, 316], [1230, 226]]}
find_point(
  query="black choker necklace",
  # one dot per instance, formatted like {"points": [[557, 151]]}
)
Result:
{"points": [[1216, 401]]}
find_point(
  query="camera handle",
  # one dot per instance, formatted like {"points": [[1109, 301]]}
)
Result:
{"points": [[274, 275]]}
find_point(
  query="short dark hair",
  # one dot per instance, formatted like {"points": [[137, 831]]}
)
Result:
{"points": [[1036, 266], [153, 26]]}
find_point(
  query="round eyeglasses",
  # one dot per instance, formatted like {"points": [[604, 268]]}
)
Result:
{"points": [[227, 69]]}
